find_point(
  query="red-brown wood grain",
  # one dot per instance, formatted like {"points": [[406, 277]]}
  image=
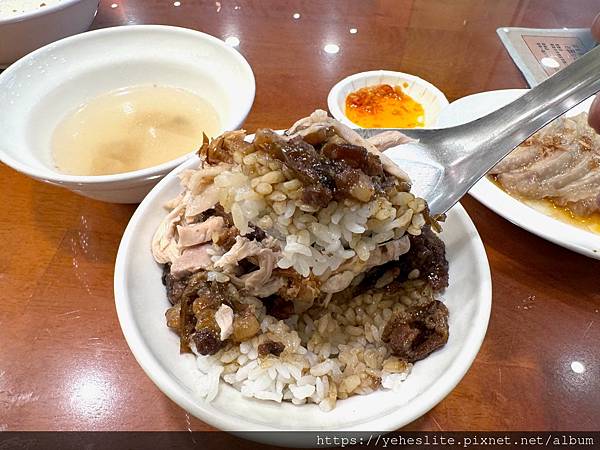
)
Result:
{"points": [[64, 364]]}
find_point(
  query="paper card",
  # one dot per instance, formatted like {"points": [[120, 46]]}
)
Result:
{"points": [[539, 53]]}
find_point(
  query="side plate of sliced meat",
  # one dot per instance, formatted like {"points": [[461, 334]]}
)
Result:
{"points": [[549, 185]]}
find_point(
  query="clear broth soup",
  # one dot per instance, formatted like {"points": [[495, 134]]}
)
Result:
{"points": [[131, 129]]}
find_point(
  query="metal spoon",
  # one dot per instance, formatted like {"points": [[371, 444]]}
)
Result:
{"points": [[445, 163]]}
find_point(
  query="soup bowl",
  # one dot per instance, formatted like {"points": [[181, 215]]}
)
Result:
{"points": [[39, 90]]}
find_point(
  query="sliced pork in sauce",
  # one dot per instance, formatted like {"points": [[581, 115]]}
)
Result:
{"points": [[560, 163]]}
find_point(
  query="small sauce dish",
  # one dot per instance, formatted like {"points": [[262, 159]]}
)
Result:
{"points": [[41, 89], [425, 94]]}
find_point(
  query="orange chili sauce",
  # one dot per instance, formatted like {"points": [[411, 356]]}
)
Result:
{"points": [[384, 106]]}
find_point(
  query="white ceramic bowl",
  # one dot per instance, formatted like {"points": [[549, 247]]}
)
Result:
{"points": [[141, 304], [23, 33], [37, 91], [432, 99]]}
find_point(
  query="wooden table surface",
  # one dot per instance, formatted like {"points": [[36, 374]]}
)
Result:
{"points": [[64, 364]]}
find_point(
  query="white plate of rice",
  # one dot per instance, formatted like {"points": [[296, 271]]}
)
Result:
{"points": [[141, 304]]}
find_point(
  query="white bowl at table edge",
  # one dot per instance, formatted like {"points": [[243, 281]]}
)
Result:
{"points": [[26, 32]]}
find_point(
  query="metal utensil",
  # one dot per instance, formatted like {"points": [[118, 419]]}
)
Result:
{"points": [[445, 163]]}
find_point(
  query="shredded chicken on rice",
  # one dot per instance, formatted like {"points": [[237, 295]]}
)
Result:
{"points": [[301, 250]]}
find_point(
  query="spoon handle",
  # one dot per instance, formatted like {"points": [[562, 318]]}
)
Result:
{"points": [[476, 147], [504, 129]]}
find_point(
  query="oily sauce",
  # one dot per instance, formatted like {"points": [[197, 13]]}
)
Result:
{"points": [[548, 207], [564, 214], [131, 129], [384, 106]]}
